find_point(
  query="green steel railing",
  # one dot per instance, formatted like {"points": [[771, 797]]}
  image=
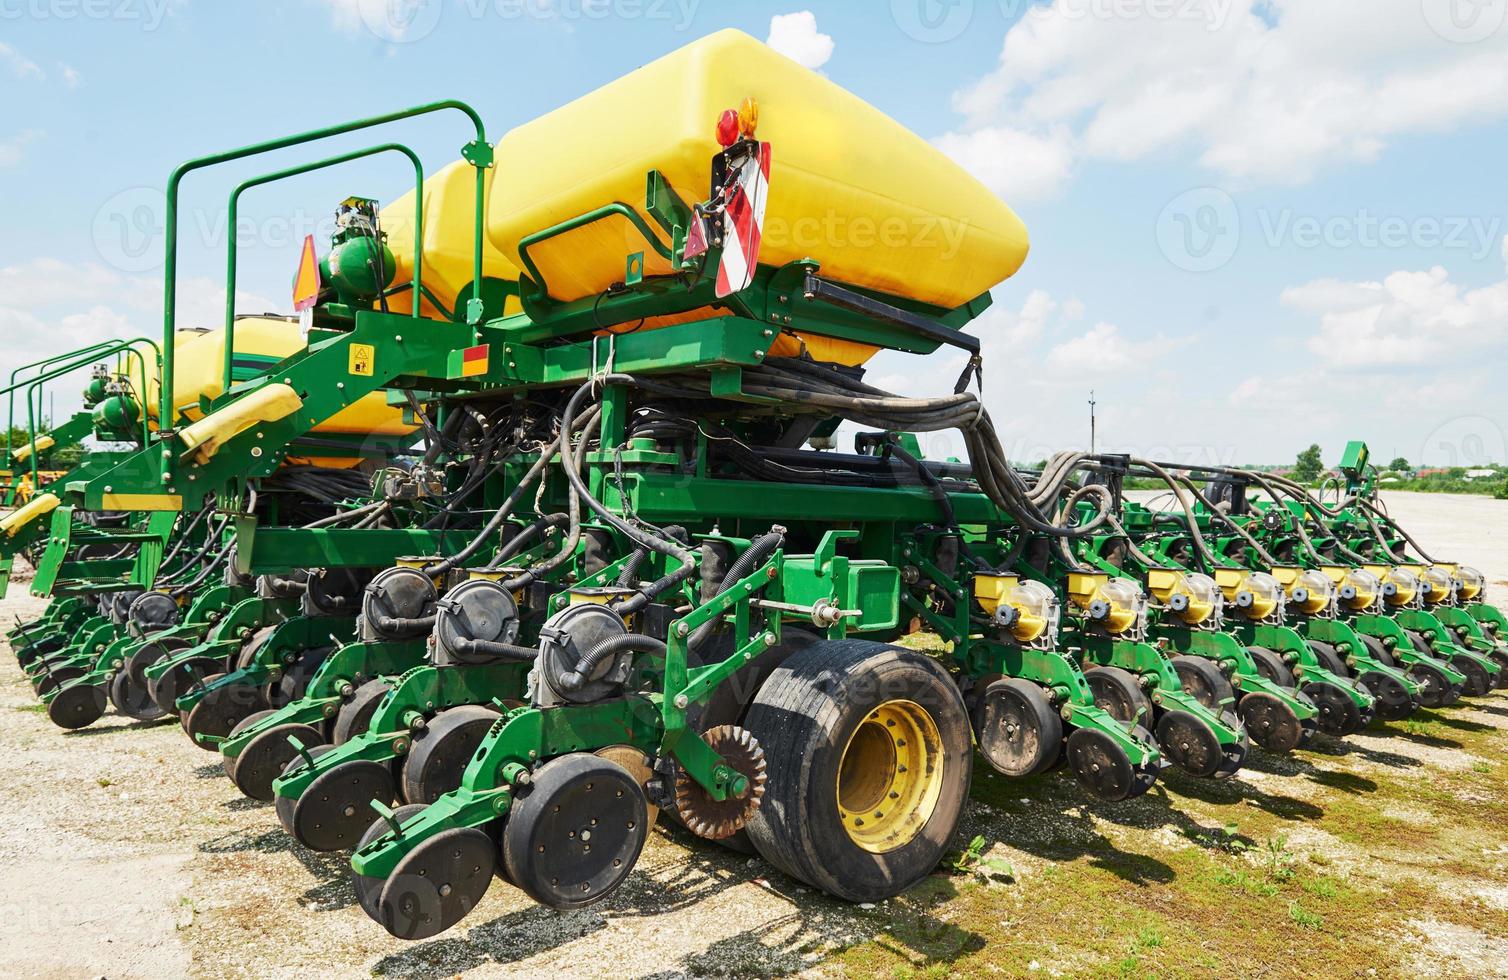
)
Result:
{"points": [[234, 205], [478, 153]]}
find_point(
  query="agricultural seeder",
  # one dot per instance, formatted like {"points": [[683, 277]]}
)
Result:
{"points": [[536, 526]]}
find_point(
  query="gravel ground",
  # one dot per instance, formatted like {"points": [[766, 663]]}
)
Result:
{"points": [[127, 853]]}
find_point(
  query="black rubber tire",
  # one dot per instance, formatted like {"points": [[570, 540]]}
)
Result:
{"points": [[439, 754], [283, 805], [540, 848], [1339, 715], [1271, 666], [356, 714], [1118, 693], [58, 678], [1417, 639], [804, 717], [1018, 731], [1329, 658], [1270, 723], [1204, 682], [171, 686], [129, 691], [1501, 659]]}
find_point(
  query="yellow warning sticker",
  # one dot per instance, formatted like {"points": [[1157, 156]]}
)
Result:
{"points": [[363, 359]]}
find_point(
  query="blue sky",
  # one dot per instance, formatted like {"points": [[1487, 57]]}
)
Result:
{"points": [[1255, 225]]}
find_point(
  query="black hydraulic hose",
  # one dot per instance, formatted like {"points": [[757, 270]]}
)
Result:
{"points": [[756, 554], [646, 594], [639, 536], [628, 577], [398, 625], [491, 648], [494, 522], [575, 679], [518, 541]]}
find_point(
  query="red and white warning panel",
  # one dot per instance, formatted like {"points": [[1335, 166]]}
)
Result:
{"points": [[743, 220]]}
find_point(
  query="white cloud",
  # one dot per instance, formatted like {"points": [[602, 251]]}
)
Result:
{"points": [[1409, 318], [20, 66], [1015, 164], [49, 307], [1260, 90], [796, 36], [71, 76], [10, 150]]}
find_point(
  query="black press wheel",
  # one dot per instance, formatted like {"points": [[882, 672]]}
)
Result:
{"points": [[1391, 700], [128, 689], [337, 804], [356, 714], [437, 883], [440, 753], [1118, 693], [167, 689], [1202, 679], [1501, 659], [1103, 768], [368, 889], [1339, 714], [1270, 722], [577, 832], [1018, 731], [265, 756], [1329, 658], [1379, 651], [869, 754], [1478, 680], [1435, 689], [219, 711], [1190, 743], [1271, 667], [76, 705]]}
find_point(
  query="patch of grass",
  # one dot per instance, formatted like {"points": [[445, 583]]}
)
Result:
{"points": [[1303, 917], [33, 708]]}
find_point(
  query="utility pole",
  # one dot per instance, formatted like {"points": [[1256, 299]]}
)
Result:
{"points": [[1091, 421]]}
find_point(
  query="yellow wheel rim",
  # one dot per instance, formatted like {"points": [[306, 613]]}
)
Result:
{"points": [[890, 776]]}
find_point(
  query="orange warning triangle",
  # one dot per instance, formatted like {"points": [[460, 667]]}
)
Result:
{"points": [[306, 283]]}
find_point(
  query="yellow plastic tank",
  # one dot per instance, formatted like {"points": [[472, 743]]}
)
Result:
{"points": [[449, 238], [876, 204], [199, 365]]}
